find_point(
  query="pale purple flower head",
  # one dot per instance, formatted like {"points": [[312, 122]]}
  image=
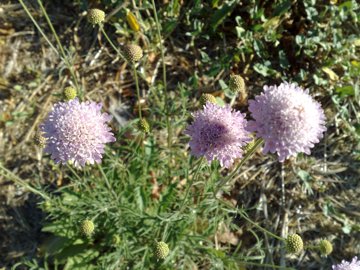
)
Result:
{"points": [[344, 265], [288, 119], [218, 133], [77, 132]]}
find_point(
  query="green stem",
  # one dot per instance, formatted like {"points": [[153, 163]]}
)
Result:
{"points": [[118, 51], [22, 183], [191, 183], [107, 182], [244, 159], [38, 26], [259, 227], [64, 56], [137, 90], [111, 43], [166, 105]]}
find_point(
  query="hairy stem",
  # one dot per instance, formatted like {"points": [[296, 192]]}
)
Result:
{"points": [[137, 90]]}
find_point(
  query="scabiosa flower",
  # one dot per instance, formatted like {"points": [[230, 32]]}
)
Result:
{"points": [[344, 265], [288, 119], [77, 132], [218, 133]]}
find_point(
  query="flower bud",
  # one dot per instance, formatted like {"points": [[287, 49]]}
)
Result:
{"points": [[115, 240], [325, 247], [95, 16], [237, 84], [87, 227], [69, 93], [207, 98], [161, 250]]}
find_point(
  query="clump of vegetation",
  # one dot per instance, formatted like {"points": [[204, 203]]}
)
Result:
{"points": [[179, 182]]}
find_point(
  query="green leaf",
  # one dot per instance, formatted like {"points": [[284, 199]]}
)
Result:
{"points": [[344, 91], [219, 16], [282, 8], [54, 244]]}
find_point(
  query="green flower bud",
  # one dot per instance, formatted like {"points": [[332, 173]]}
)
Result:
{"points": [[325, 247], [161, 250], [237, 84], [132, 53], [143, 125], [95, 16], [115, 240], [294, 243], [207, 98], [87, 227], [39, 139], [69, 93], [47, 206]]}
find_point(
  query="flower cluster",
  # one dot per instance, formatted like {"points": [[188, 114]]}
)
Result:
{"points": [[344, 265], [286, 117], [218, 133], [76, 132]]}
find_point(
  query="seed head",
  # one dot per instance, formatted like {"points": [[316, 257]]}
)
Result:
{"points": [[87, 227], [207, 97], [39, 139], [95, 16], [237, 84], [161, 250], [69, 93], [294, 243], [132, 53], [325, 247], [143, 125]]}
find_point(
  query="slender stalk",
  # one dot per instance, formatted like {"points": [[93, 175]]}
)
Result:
{"points": [[118, 51], [38, 26], [191, 183], [107, 182], [64, 56], [166, 105], [137, 90], [111, 43], [22, 183], [259, 227], [245, 158]]}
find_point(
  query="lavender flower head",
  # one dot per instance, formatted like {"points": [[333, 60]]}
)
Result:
{"points": [[218, 133], [344, 265], [288, 119], [77, 132]]}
